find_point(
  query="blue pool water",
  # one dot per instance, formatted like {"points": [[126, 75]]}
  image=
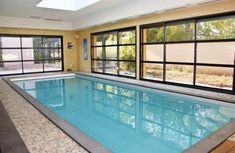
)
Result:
{"points": [[130, 119]]}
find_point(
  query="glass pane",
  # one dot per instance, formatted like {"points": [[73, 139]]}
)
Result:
{"points": [[111, 52], [127, 37], [153, 52], [32, 42], [111, 67], [10, 54], [151, 35], [48, 53], [97, 40], [127, 52], [217, 53], [57, 53], [39, 54], [220, 28], [153, 71], [180, 32], [52, 53], [127, 68], [35, 66], [53, 65], [97, 53], [28, 54], [97, 66], [10, 68], [33, 54], [8, 42], [179, 73], [110, 38], [217, 77], [180, 52], [51, 42]]}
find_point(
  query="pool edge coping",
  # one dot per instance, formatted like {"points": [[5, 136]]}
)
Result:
{"points": [[203, 146], [78, 136], [213, 140], [148, 84]]}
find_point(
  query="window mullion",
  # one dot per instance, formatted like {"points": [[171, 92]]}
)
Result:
{"points": [[234, 75], [141, 54], [164, 54], [195, 53], [103, 54], [42, 50], [118, 64], [21, 52]]}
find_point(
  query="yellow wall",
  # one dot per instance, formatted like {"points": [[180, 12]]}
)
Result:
{"points": [[75, 55], [70, 55], [213, 8]]}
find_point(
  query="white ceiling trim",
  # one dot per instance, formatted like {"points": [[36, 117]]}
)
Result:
{"points": [[16, 13], [131, 9], [17, 22]]}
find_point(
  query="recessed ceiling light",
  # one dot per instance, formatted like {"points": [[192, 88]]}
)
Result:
{"points": [[68, 5], [48, 19], [35, 17]]}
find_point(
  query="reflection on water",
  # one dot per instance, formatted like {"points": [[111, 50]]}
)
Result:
{"points": [[39, 90], [167, 118], [129, 120]]}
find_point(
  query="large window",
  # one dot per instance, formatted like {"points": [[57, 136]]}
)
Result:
{"points": [[114, 52], [30, 54], [194, 52]]}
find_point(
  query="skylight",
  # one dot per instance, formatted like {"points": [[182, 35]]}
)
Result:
{"points": [[68, 5]]}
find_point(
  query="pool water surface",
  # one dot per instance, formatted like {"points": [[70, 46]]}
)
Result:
{"points": [[130, 119]]}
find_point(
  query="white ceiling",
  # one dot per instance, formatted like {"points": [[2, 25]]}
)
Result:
{"points": [[14, 11]]}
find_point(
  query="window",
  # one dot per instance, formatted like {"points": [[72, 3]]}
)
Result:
{"points": [[216, 52], [216, 28], [30, 54], [180, 52], [127, 68], [152, 71], [168, 52], [114, 52], [153, 52], [197, 52], [153, 35], [180, 31], [216, 77], [97, 66], [7, 68], [179, 73]]}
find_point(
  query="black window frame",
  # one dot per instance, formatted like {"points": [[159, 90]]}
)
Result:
{"points": [[42, 61], [195, 41], [118, 45]]}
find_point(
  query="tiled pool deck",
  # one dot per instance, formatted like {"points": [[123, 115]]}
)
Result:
{"points": [[41, 135]]}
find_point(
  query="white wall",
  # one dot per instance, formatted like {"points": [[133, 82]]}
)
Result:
{"points": [[16, 22]]}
